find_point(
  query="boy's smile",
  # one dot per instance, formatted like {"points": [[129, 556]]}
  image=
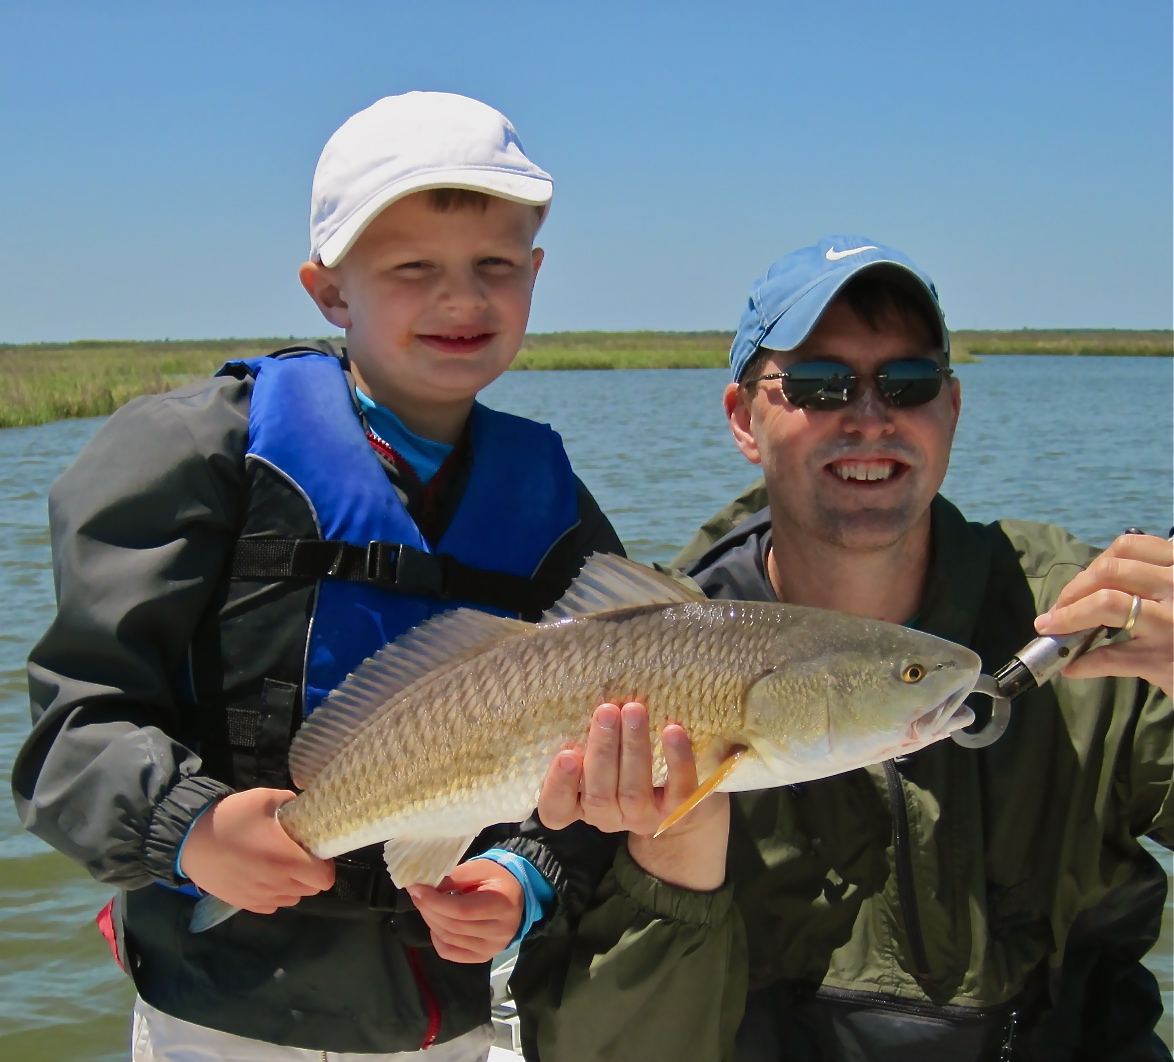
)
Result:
{"points": [[457, 344], [434, 303]]}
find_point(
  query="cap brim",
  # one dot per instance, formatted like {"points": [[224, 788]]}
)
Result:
{"points": [[516, 187], [801, 317]]}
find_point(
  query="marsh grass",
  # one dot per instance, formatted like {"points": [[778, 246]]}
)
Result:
{"points": [[43, 382], [625, 350], [1075, 341]]}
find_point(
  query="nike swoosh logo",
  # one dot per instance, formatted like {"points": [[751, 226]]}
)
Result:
{"points": [[832, 255]]}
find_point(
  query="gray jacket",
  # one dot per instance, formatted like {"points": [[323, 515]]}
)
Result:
{"points": [[143, 526]]}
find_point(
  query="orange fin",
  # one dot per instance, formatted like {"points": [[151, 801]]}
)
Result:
{"points": [[724, 770]]}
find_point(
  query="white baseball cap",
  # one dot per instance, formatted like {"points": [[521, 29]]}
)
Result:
{"points": [[410, 143]]}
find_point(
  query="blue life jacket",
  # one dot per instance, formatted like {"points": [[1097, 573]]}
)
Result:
{"points": [[520, 499]]}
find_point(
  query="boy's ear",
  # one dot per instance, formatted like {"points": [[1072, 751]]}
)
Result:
{"points": [[321, 285], [536, 256]]}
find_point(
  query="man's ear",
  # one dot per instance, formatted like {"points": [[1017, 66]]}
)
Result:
{"points": [[536, 257], [321, 285], [737, 404]]}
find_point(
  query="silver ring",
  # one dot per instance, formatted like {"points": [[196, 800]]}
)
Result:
{"points": [[1131, 619]]}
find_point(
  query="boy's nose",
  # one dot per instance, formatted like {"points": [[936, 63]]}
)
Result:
{"points": [[462, 290]]}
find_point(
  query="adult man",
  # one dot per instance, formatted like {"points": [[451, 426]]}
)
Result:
{"points": [[954, 904]]}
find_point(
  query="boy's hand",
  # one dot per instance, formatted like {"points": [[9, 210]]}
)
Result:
{"points": [[474, 913], [609, 786], [239, 853]]}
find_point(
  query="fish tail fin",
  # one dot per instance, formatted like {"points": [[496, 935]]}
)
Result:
{"points": [[210, 911]]}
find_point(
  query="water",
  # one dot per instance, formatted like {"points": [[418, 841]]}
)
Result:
{"points": [[1082, 442]]}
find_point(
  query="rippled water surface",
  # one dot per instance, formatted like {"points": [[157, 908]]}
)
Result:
{"points": [[1083, 442]]}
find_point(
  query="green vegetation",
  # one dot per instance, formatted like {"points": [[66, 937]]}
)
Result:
{"points": [[1155, 343], [625, 350], [42, 382]]}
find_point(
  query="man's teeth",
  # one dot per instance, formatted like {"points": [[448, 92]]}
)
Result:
{"points": [[868, 471]]}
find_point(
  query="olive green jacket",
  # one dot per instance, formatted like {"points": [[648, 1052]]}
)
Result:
{"points": [[1030, 891]]}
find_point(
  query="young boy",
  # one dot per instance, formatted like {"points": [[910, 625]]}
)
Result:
{"points": [[226, 553]]}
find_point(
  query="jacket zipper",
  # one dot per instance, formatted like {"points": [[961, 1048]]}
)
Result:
{"points": [[912, 1007], [903, 862], [431, 1007], [1008, 1012]]}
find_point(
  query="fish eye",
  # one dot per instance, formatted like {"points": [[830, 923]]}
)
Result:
{"points": [[912, 673]]}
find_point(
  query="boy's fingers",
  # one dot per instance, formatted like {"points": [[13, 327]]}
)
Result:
{"points": [[272, 902], [316, 874], [441, 918], [458, 908], [457, 953], [474, 907], [558, 803]]}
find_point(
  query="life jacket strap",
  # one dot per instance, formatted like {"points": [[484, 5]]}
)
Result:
{"points": [[260, 737], [392, 566]]}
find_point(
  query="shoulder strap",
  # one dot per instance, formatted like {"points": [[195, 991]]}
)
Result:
{"points": [[390, 566]]}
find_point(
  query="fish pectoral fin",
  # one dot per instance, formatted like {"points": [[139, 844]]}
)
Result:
{"points": [[423, 860], [724, 770]]}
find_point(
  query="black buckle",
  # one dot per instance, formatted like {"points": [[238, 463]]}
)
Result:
{"points": [[417, 572], [381, 564]]}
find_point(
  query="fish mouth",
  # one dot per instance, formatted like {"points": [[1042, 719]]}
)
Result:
{"points": [[952, 714]]}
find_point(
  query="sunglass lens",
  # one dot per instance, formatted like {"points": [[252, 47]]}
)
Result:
{"points": [[910, 383], [819, 385]]}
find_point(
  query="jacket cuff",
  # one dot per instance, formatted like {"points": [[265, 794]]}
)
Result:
{"points": [[172, 819], [673, 902], [573, 861], [544, 861]]}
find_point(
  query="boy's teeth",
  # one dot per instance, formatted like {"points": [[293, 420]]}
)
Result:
{"points": [[868, 471]]}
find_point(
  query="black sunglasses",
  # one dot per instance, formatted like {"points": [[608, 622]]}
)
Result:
{"points": [[824, 385]]}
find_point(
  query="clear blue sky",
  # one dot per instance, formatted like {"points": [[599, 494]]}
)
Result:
{"points": [[156, 158]]}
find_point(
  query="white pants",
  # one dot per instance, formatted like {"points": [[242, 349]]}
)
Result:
{"points": [[158, 1037]]}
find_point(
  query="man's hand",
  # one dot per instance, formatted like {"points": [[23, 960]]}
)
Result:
{"points": [[474, 913], [239, 853], [609, 786], [1102, 595]]}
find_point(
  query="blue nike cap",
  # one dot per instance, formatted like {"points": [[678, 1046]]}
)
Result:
{"points": [[787, 303]]}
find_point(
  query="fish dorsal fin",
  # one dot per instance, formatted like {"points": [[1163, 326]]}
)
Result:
{"points": [[350, 709], [608, 582], [427, 861]]}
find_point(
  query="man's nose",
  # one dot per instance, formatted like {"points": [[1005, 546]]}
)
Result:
{"points": [[869, 415]]}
